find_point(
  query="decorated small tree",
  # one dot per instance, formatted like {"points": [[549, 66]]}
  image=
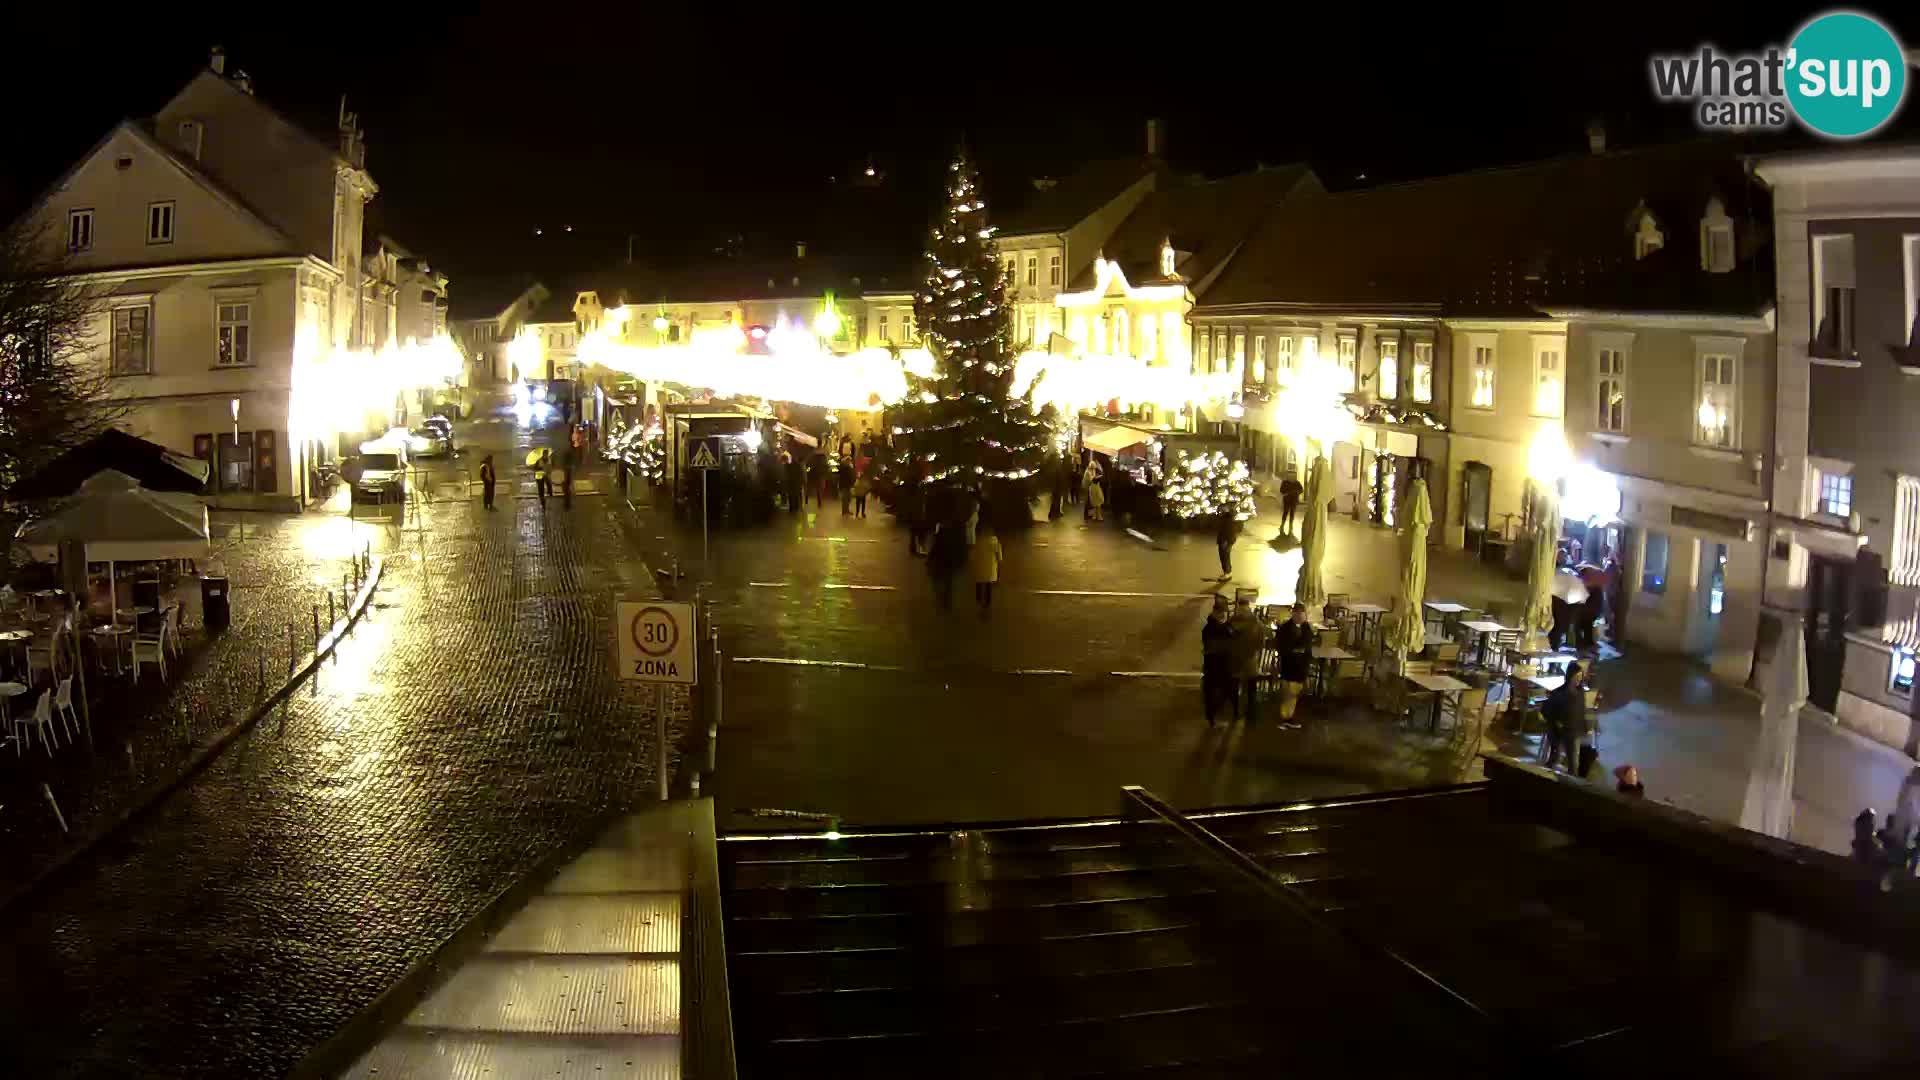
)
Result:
{"points": [[1205, 486], [965, 428]]}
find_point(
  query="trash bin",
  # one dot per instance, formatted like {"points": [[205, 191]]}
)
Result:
{"points": [[215, 611]]}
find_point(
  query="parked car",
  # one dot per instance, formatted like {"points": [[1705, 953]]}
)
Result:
{"points": [[379, 474], [429, 440]]}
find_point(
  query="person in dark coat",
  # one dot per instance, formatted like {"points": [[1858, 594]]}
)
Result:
{"points": [[846, 481], [1294, 642], [1225, 532], [945, 559], [1569, 728], [795, 480], [1290, 492], [1216, 661], [488, 476]]}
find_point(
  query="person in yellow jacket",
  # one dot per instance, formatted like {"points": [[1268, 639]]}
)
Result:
{"points": [[983, 561]]}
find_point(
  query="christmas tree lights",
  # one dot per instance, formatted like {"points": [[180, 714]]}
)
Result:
{"points": [[965, 413], [1205, 486]]}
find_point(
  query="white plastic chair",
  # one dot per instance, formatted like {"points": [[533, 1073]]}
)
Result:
{"points": [[172, 631], [42, 718], [63, 707], [152, 648], [45, 654]]}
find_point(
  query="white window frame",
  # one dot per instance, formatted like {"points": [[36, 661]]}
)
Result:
{"points": [[1239, 352], [1549, 362], [1607, 373], [1715, 225], [1830, 487], [1149, 338], [160, 222], [1346, 360], [1910, 268], [1122, 333], [1727, 355], [1284, 354], [1053, 269], [80, 229], [1819, 245], [1421, 388], [1260, 359], [1166, 259], [224, 321], [1903, 567], [1033, 271], [114, 365], [1483, 358], [1386, 366], [1203, 350], [886, 332]]}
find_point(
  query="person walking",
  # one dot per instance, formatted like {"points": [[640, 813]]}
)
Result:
{"points": [[487, 477], [1249, 636], [983, 559], [791, 467], [540, 481], [1096, 495], [1294, 642], [1226, 531], [1290, 492], [944, 560], [861, 487], [571, 462], [1569, 728], [1216, 661], [846, 479]]}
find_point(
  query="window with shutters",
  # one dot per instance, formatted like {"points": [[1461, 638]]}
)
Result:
{"points": [[160, 223], [1905, 566], [132, 340], [1053, 269], [1388, 375], [1283, 353], [1610, 389], [1549, 389], [1484, 366], [1260, 360], [1716, 421], [1346, 362], [1832, 330]]}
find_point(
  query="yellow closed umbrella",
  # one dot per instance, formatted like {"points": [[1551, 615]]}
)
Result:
{"points": [[1411, 634], [1540, 569], [1311, 591]]}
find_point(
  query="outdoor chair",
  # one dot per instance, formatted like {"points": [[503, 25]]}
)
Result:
{"points": [[45, 653], [150, 648], [42, 718], [63, 708], [172, 630]]}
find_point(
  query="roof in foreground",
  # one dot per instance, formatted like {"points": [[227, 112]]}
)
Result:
{"points": [[1206, 220], [1516, 241]]}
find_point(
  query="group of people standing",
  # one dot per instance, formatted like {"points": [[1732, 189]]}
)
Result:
{"points": [[846, 474], [579, 439], [958, 537], [1231, 643]]}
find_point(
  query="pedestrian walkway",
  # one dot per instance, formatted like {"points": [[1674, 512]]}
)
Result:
{"points": [[469, 726]]}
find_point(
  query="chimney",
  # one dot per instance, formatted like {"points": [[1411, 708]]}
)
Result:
{"points": [[1596, 136], [799, 249], [1154, 147], [218, 61]]}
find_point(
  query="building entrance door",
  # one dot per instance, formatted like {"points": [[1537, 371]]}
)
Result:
{"points": [[1477, 501], [1829, 609]]}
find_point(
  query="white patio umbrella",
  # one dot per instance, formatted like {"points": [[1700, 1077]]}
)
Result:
{"points": [[1769, 804], [1540, 570], [114, 519]]}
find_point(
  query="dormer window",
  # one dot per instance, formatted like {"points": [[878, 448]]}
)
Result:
{"points": [[1647, 237], [1716, 239], [1166, 258]]}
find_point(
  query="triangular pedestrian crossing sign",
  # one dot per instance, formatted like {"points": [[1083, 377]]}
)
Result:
{"points": [[703, 457]]}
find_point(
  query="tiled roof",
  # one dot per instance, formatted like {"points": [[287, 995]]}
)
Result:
{"points": [[1556, 234], [754, 279], [1206, 220], [1070, 200]]}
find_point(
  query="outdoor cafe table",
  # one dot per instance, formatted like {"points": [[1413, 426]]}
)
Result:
{"points": [[17, 637], [1448, 611], [1324, 655], [1439, 686], [109, 636], [9, 691], [1369, 619], [1483, 631]]}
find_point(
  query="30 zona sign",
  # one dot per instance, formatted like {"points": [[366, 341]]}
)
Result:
{"points": [[654, 640]]}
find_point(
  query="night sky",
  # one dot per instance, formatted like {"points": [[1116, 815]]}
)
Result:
{"points": [[680, 129]]}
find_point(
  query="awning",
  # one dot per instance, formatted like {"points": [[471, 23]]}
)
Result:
{"points": [[1114, 439], [798, 436], [119, 520], [151, 465]]}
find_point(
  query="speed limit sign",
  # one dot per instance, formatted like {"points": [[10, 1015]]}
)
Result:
{"points": [[654, 641]]}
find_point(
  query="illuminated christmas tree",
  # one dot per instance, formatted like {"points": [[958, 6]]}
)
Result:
{"points": [[965, 426], [1207, 486]]}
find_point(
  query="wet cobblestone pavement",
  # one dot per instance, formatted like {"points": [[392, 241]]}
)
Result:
{"points": [[469, 725]]}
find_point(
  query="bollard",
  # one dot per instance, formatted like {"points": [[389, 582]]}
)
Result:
{"points": [[290, 648], [260, 688], [316, 628], [330, 617], [57, 815]]}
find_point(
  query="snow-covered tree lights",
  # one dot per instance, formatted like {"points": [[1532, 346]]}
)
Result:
{"points": [[1206, 486]]}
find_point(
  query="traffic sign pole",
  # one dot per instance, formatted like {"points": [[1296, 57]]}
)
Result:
{"points": [[706, 515], [660, 736]]}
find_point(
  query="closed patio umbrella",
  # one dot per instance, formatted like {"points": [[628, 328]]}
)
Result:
{"points": [[1539, 616], [1769, 803], [1311, 591], [1417, 513]]}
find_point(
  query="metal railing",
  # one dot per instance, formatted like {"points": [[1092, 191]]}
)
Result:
{"points": [[1139, 803]]}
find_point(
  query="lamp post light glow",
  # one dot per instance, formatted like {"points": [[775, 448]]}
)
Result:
{"points": [[659, 324]]}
